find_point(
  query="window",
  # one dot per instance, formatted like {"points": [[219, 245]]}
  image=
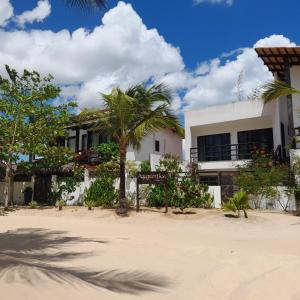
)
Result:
{"points": [[259, 138], [214, 147], [209, 180], [157, 146]]}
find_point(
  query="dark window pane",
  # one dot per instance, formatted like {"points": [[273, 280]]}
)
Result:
{"points": [[157, 146], [214, 147]]}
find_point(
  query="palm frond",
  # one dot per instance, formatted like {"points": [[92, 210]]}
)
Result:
{"points": [[87, 4], [275, 89]]}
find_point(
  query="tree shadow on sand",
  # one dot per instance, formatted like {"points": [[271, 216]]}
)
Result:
{"points": [[29, 255]]}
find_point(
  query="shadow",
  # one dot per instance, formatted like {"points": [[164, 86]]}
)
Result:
{"points": [[231, 216], [29, 255], [184, 212]]}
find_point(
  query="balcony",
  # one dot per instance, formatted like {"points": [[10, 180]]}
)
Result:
{"points": [[231, 152]]}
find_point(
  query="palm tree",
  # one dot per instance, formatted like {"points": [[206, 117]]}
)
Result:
{"points": [[87, 4], [131, 115], [275, 89]]}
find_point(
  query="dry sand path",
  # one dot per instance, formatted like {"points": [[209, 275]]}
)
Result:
{"points": [[51, 255]]}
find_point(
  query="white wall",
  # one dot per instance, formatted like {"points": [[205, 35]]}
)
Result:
{"points": [[234, 117], [19, 187], [169, 141]]}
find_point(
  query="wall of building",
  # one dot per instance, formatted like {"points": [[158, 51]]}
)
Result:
{"points": [[19, 187], [169, 142]]}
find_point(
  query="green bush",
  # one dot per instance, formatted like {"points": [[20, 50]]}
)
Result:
{"points": [[238, 203], [107, 151], [101, 192], [145, 166], [60, 204], [156, 197]]}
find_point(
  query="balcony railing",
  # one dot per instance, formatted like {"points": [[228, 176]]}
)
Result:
{"points": [[230, 152]]}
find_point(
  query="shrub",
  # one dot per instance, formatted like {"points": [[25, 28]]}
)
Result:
{"points": [[101, 192], [107, 151], [260, 177], [131, 168], [145, 166], [33, 204], [156, 197], [89, 203], [61, 204], [238, 203]]}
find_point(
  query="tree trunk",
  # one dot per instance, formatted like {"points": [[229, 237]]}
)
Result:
{"points": [[245, 214], [8, 191], [122, 209]]}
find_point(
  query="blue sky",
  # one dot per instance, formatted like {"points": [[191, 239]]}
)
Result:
{"points": [[200, 50]]}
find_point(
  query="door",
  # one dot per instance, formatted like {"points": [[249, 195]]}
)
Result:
{"points": [[42, 189]]}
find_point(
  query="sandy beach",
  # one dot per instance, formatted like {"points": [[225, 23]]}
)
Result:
{"points": [[79, 254]]}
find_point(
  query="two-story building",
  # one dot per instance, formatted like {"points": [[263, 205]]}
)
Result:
{"points": [[222, 137], [83, 138]]}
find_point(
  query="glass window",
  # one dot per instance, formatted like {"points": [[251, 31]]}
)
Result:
{"points": [[157, 146], [214, 147], [259, 138]]}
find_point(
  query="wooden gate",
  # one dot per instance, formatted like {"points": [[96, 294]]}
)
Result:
{"points": [[42, 189]]}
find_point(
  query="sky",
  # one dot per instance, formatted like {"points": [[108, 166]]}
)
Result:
{"points": [[202, 49]]}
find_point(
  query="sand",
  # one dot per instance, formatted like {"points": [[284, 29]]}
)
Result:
{"points": [[79, 254]]}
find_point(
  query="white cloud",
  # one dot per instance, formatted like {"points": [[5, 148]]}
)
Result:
{"points": [[37, 14], [6, 11], [122, 52], [227, 2], [216, 82]]}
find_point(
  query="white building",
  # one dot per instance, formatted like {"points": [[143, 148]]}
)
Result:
{"points": [[222, 137], [82, 138]]}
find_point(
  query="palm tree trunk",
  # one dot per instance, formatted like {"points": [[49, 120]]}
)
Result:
{"points": [[122, 209]]}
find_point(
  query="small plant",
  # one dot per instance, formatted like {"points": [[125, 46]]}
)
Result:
{"points": [[145, 166], [238, 203], [89, 203], [33, 204], [61, 204]]}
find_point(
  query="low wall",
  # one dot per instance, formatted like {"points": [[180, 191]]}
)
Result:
{"points": [[284, 201], [19, 187]]}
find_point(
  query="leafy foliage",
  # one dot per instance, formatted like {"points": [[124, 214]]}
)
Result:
{"points": [[108, 151], [67, 185], [145, 166], [275, 89], [260, 176], [33, 204], [29, 120], [238, 203], [131, 115], [101, 192], [180, 191]]}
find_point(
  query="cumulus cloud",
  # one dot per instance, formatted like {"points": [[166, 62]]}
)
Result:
{"points": [[122, 51], [6, 11], [216, 82], [227, 2], [37, 14]]}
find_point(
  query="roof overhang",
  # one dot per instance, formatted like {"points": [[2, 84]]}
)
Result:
{"points": [[279, 59]]}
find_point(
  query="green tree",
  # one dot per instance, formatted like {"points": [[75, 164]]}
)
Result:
{"points": [[259, 177], [29, 121], [130, 116]]}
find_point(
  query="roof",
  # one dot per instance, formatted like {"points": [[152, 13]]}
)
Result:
{"points": [[277, 58]]}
